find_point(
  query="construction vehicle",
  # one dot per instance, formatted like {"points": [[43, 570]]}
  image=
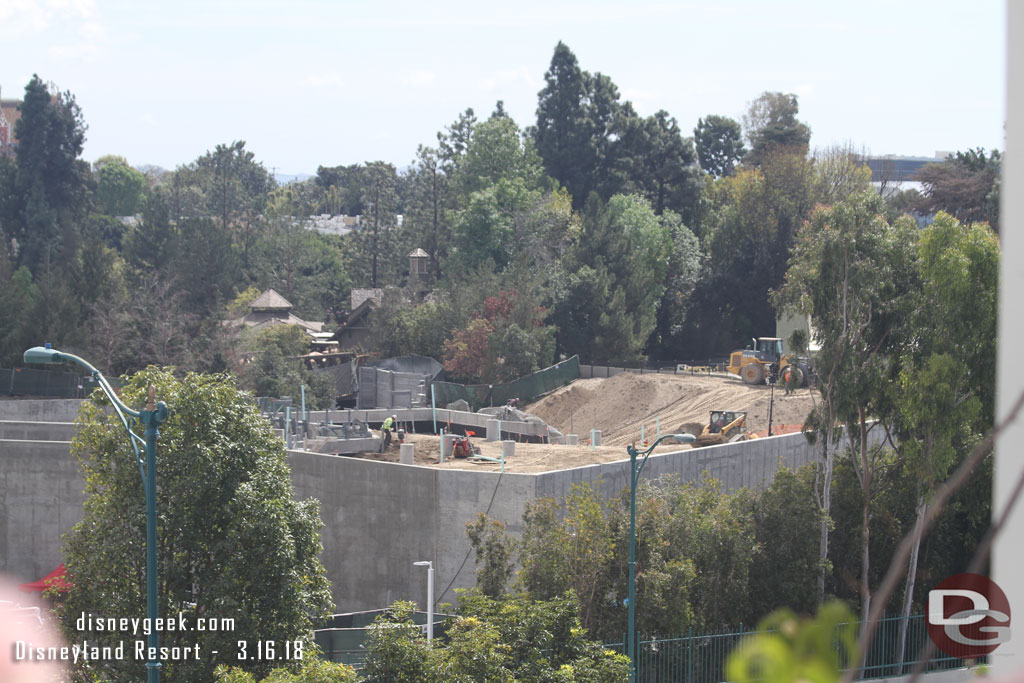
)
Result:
{"points": [[768, 362], [724, 426]]}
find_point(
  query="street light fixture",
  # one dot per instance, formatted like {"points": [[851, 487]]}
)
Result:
{"points": [[430, 596], [634, 477], [153, 416]]}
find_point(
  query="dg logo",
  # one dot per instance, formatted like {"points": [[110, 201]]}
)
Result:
{"points": [[968, 616]]}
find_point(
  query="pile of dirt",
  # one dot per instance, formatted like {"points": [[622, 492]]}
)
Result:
{"points": [[621, 405]]}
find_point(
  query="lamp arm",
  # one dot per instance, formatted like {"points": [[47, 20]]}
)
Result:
{"points": [[119, 407]]}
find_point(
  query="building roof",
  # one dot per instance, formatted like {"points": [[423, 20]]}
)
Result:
{"points": [[270, 301], [418, 253], [361, 295]]}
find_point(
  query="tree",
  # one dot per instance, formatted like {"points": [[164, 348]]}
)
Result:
{"points": [[613, 278], [508, 209], [578, 116], [234, 544], [120, 189], [944, 399], [50, 192], [516, 638], [719, 144], [852, 272], [229, 184], [377, 237], [770, 123], [965, 185], [273, 367], [429, 206], [662, 167]]}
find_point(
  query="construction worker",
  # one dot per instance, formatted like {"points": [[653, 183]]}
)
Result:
{"points": [[389, 424], [788, 377]]}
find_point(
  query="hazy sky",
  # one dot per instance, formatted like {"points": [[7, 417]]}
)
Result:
{"points": [[307, 83]]}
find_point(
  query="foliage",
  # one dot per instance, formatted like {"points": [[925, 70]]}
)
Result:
{"points": [[493, 548], [272, 366], [505, 340], [965, 185], [233, 542], [771, 125], [313, 670], [787, 648], [512, 639], [719, 144], [119, 187], [578, 117], [613, 278], [47, 192]]}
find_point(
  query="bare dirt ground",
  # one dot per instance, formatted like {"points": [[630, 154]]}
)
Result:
{"points": [[618, 406]]}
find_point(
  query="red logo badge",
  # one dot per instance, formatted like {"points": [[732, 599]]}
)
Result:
{"points": [[968, 616]]}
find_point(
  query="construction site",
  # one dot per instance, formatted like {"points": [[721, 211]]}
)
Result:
{"points": [[627, 408]]}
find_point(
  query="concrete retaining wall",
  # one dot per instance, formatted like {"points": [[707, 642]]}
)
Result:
{"points": [[40, 410], [41, 496], [379, 517], [37, 431]]}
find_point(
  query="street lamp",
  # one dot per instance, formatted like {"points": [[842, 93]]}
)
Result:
{"points": [[634, 477], [152, 417], [430, 596]]}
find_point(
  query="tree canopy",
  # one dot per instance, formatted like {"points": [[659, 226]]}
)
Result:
{"points": [[233, 542]]}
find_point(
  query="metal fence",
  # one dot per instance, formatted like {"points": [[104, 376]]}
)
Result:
{"points": [[700, 658], [525, 389], [32, 382]]}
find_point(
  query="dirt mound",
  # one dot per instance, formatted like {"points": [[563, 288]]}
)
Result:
{"points": [[621, 405]]}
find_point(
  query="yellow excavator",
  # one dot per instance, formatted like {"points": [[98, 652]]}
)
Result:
{"points": [[766, 360]]}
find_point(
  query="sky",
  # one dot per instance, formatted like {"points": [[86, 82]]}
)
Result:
{"points": [[308, 83]]}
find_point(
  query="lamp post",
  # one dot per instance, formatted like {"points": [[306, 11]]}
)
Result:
{"points": [[430, 596], [634, 477], [152, 417]]}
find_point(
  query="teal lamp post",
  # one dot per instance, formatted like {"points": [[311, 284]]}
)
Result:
{"points": [[634, 477], [151, 417]]}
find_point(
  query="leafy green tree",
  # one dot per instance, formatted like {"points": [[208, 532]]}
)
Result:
{"points": [[614, 277], [304, 266], [273, 368], [120, 189], [662, 166], [513, 639], [19, 295], [428, 207], [508, 210], [343, 189], [229, 184], [234, 544], [493, 549], [719, 142], [313, 670], [853, 272], [944, 399], [578, 116], [747, 231], [377, 240], [505, 340], [51, 185], [965, 185], [684, 269], [785, 563], [770, 124]]}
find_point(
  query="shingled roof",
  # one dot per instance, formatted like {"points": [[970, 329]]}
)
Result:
{"points": [[270, 301]]}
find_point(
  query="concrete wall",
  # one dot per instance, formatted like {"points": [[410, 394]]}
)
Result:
{"points": [[37, 431], [750, 463], [41, 410], [41, 496], [378, 517]]}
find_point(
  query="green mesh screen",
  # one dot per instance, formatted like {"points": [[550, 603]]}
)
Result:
{"points": [[525, 389]]}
